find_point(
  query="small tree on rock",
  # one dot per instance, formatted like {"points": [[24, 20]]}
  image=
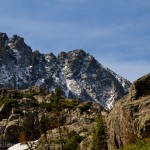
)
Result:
{"points": [[57, 110], [44, 128], [100, 136]]}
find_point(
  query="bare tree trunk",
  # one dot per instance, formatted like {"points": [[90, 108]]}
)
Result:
{"points": [[46, 141]]}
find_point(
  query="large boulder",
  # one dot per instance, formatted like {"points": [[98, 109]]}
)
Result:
{"points": [[140, 87], [130, 119]]}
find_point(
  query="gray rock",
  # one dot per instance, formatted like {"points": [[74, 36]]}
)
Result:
{"points": [[130, 119], [78, 74], [13, 117], [12, 130]]}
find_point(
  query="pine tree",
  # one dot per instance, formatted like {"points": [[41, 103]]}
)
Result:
{"points": [[43, 127], [100, 136], [56, 103], [56, 109]]}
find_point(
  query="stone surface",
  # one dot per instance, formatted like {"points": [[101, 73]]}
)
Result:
{"points": [[26, 117], [130, 119]]}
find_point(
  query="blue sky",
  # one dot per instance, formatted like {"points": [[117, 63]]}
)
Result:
{"points": [[115, 32]]}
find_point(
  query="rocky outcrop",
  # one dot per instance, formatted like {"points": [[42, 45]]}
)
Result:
{"points": [[22, 111], [130, 119], [78, 74], [140, 88]]}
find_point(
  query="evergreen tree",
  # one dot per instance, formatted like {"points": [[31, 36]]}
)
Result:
{"points": [[99, 137], [44, 128], [56, 109], [56, 103]]}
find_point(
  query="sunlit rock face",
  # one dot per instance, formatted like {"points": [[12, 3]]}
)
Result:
{"points": [[130, 119]]}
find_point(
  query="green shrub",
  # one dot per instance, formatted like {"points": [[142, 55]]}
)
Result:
{"points": [[139, 145], [43, 124], [11, 103], [46, 106], [68, 103], [73, 141], [84, 107], [33, 104], [99, 136], [18, 111], [17, 95]]}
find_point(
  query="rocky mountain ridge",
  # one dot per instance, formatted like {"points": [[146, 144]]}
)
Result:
{"points": [[126, 123], [78, 74]]}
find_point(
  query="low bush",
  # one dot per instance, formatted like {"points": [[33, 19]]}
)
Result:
{"points": [[65, 103], [84, 107], [33, 104], [18, 111], [10, 103], [17, 95], [46, 106], [73, 141]]}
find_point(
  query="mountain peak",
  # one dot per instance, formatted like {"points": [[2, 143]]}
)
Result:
{"points": [[78, 73], [3, 35], [3, 40], [16, 37], [78, 52], [16, 42]]}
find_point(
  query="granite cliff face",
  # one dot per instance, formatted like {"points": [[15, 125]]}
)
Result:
{"points": [[129, 120], [78, 74]]}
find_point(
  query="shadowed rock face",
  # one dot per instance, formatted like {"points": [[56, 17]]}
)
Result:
{"points": [[3, 40], [130, 118], [140, 88], [78, 74]]}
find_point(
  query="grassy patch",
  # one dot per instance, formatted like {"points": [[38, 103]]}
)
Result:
{"points": [[139, 145], [10, 103], [66, 103]]}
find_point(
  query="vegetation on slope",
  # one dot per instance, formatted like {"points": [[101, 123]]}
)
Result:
{"points": [[139, 145]]}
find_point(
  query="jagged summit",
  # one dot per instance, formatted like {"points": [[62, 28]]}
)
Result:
{"points": [[3, 36], [79, 74], [3, 40]]}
